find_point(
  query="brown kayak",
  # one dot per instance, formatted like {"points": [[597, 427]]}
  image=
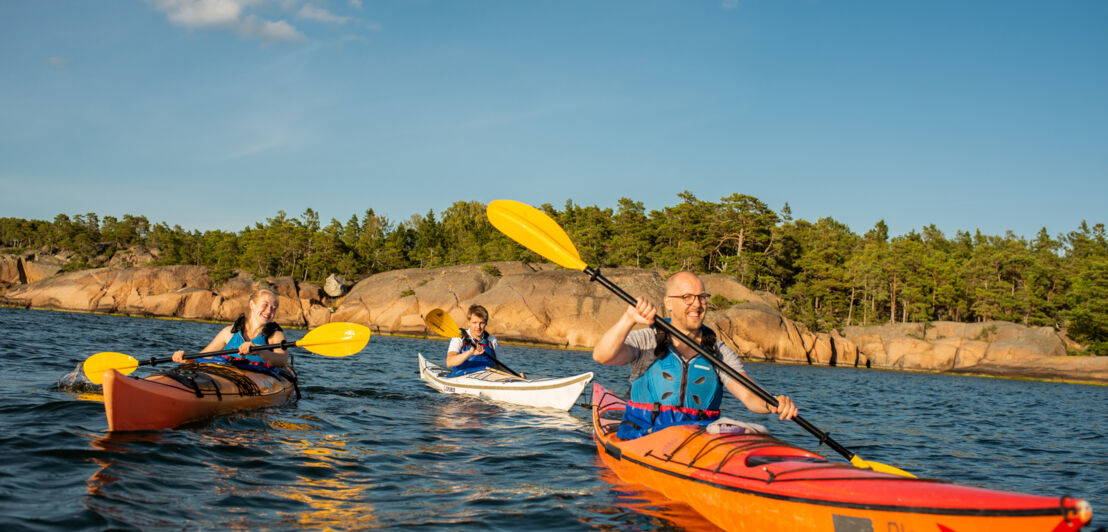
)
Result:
{"points": [[190, 392]]}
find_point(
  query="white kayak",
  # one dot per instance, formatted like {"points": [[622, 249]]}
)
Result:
{"points": [[496, 385]]}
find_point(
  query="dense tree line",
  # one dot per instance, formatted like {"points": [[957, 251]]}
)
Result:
{"points": [[827, 275]]}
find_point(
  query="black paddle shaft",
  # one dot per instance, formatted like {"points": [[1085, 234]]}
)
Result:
{"points": [[594, 274], [285, 344], [493, 356]]}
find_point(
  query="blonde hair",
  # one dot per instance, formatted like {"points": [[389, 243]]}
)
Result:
{"points": [[263, 290]]}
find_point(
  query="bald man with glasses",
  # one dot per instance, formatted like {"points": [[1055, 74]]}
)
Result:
{"points": [[672, 384]]}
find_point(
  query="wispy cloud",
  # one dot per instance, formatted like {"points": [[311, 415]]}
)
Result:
{"points": [[57, 62], [311, 12], [267, 30], [729, 4], [201, 13], [228, 15]]}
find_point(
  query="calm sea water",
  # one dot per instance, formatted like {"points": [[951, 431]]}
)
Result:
{"points": [[370, 445]]}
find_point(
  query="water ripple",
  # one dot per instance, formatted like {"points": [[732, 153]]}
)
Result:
{"points": [[370, 446]]}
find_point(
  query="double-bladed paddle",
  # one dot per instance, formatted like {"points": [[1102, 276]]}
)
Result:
{"points": [[538, 232], [338, 339], [442, 324]]}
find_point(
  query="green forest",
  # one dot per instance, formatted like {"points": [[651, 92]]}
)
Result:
{"points": [[827, 275]]}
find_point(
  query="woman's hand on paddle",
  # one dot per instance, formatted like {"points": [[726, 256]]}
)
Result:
{"points": [[244, 349], [785, 407], [179, 357]]}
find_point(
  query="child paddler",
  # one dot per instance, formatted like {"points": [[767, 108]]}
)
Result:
{"points": [[476, 349], [671, 384], [255, 327]]}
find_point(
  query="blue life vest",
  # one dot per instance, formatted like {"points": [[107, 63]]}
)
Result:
{"points": [[475, 362], [238, 338], [673, 392]]}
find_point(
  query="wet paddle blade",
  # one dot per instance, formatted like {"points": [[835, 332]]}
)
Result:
{"points": [[536, 231], [95, 366], [879, 467], [338, 339], [440, 323]]}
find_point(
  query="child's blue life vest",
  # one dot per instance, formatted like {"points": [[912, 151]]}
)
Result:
{"points": [[475, 362]]}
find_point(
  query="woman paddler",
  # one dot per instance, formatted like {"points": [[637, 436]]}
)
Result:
{"points": [[255, 327]]}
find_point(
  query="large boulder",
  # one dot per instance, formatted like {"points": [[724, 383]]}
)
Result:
{"points": [[37, 267], [987, 348], [335, 285], [726, 286], [561, 306], [550, 305], [130, 257], [132, 291], [178, 291], [396, 301], [10, 272], [949, 346], [310, 298]]}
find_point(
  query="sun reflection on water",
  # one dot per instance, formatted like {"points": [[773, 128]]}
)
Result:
{"points": [[338, 498]]}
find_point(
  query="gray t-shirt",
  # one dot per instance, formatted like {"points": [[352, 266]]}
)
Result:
{"points": [[642, 343]]}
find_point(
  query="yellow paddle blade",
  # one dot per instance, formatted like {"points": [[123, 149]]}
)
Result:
{"points": [[879, 467], [442, 324], [536, 231], [95, 365], [338, 339]]}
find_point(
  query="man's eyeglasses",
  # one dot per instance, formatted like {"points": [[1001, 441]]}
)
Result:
{"points": [[689, 299]]}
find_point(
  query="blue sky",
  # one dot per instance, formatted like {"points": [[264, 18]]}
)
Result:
{"points": [[989, 115]]}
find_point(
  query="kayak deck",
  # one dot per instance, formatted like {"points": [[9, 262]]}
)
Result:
{"points": [[491, 384], [753, 481], [162, 401]]}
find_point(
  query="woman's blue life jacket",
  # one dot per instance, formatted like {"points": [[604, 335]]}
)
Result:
{"points": [[475, 362], [237, 339], [673, 391]]}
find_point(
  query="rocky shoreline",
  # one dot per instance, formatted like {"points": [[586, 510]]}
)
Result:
{"points": [[542, 304]]}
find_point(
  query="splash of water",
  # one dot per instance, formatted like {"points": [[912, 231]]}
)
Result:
{"points": [[76, 381]]}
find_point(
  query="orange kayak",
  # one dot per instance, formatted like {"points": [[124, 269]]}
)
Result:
{"points": [[752, 481], [190, 392]]}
